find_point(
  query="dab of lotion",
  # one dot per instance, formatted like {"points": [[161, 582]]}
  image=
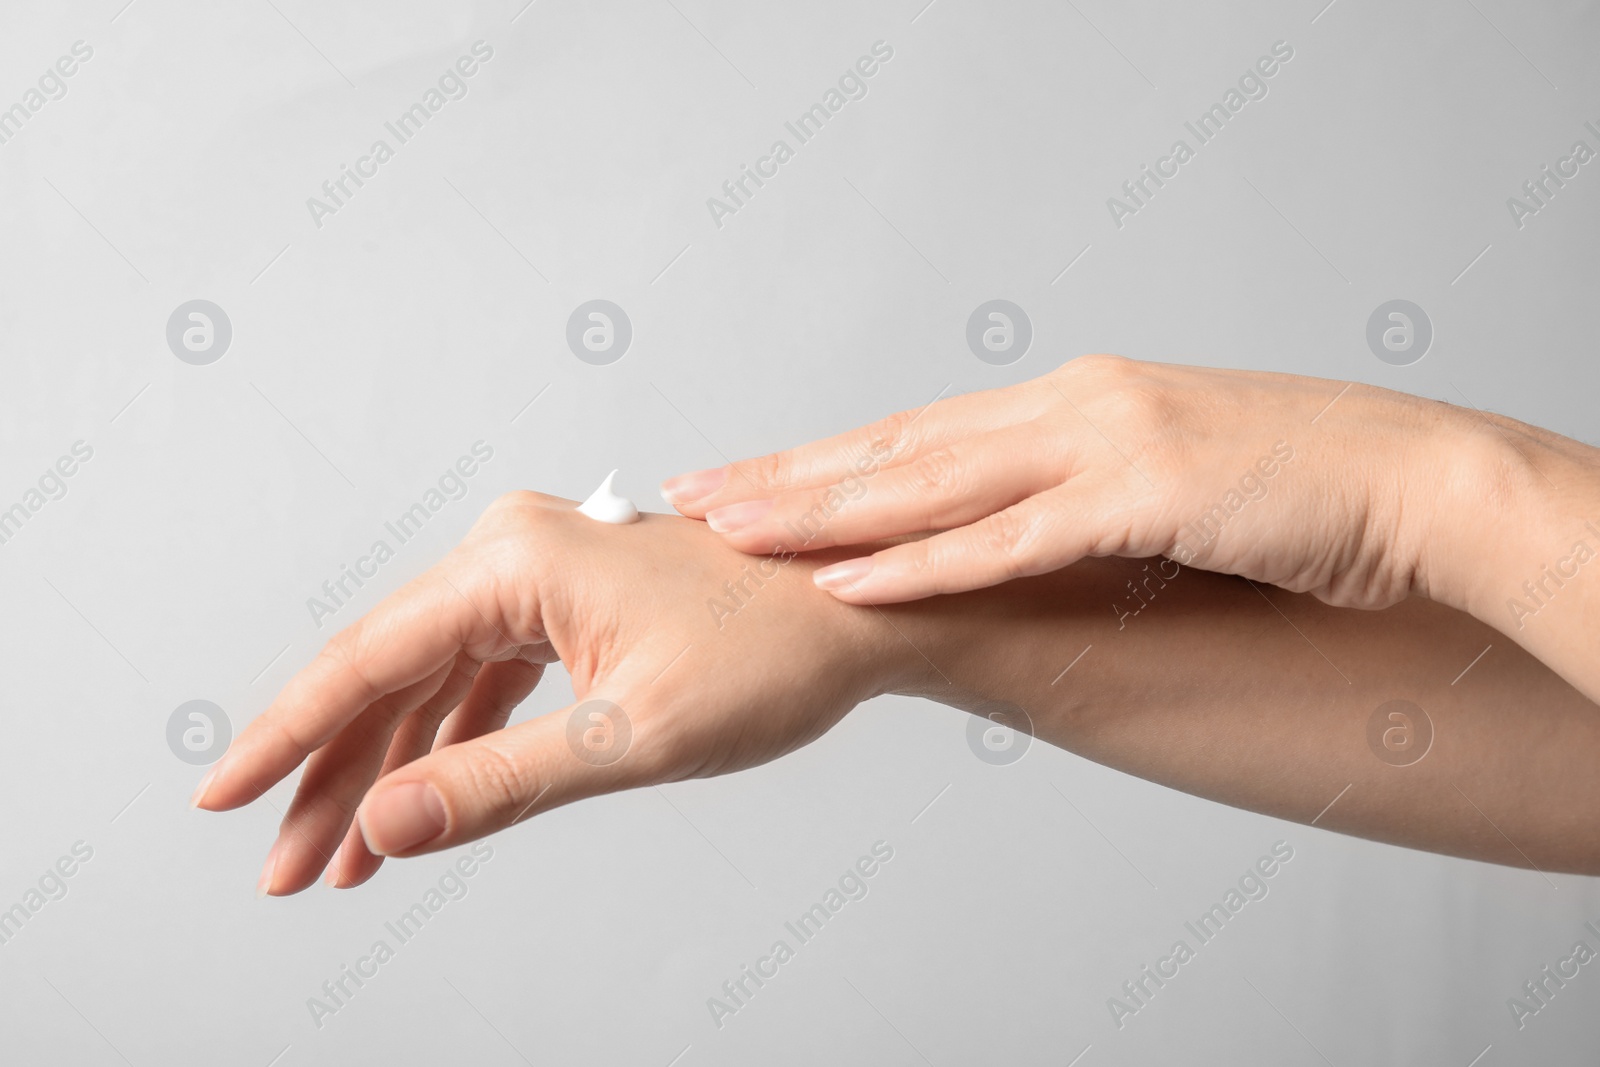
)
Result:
{"points": [[604, 505]]}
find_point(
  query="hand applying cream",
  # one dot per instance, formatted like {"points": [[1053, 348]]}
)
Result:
{"points": [[604, 505]]}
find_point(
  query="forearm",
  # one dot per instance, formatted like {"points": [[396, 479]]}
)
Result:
{"points": [[1525, 542], [1262, 699]]}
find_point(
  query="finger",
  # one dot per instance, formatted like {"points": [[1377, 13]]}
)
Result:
{"points": [[941, 489], [895, 439], [466, 790], [413, 633], [1043, 533], [495, 695], [497, 685], [339, 773], [353, 864]]}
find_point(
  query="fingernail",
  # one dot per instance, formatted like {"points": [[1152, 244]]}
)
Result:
{"points": [[264, 883], [692, 486], [205, 784], [403, 817], [331, 875], [842, 574], [737, 516]]}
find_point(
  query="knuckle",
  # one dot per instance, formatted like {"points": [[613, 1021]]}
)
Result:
{"points": [[933, 564], [341, 806], [937, 474], [515, 500], [1006, 539], [516, 514], [1100, 365], [343, 654], [454, 690], [1001, 533], [290, 737], [1107, 384], [496, 781], [925, 562], [1122, 401], [772, 469], [507, 539], [889, 435]]}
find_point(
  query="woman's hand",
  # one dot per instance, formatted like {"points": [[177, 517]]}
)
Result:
{"points": [[669, 637], [691, 659], [1350, 492]]}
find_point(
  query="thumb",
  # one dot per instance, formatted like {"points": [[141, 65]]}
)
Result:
{"points": [[465, 791]]}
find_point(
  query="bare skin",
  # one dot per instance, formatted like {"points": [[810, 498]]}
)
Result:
{"points": [[1360, 496], [1263, 700], [1208, 689], [623, 607]]}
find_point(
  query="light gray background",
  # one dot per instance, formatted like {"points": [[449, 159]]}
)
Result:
{"points": [[368, 354]]}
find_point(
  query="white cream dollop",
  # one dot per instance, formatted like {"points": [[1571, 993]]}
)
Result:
{"points": [[605, 505]]}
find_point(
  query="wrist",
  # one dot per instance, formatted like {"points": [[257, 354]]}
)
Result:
{"points": [[1511, 501], [870, 646], [1007, 644]]}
